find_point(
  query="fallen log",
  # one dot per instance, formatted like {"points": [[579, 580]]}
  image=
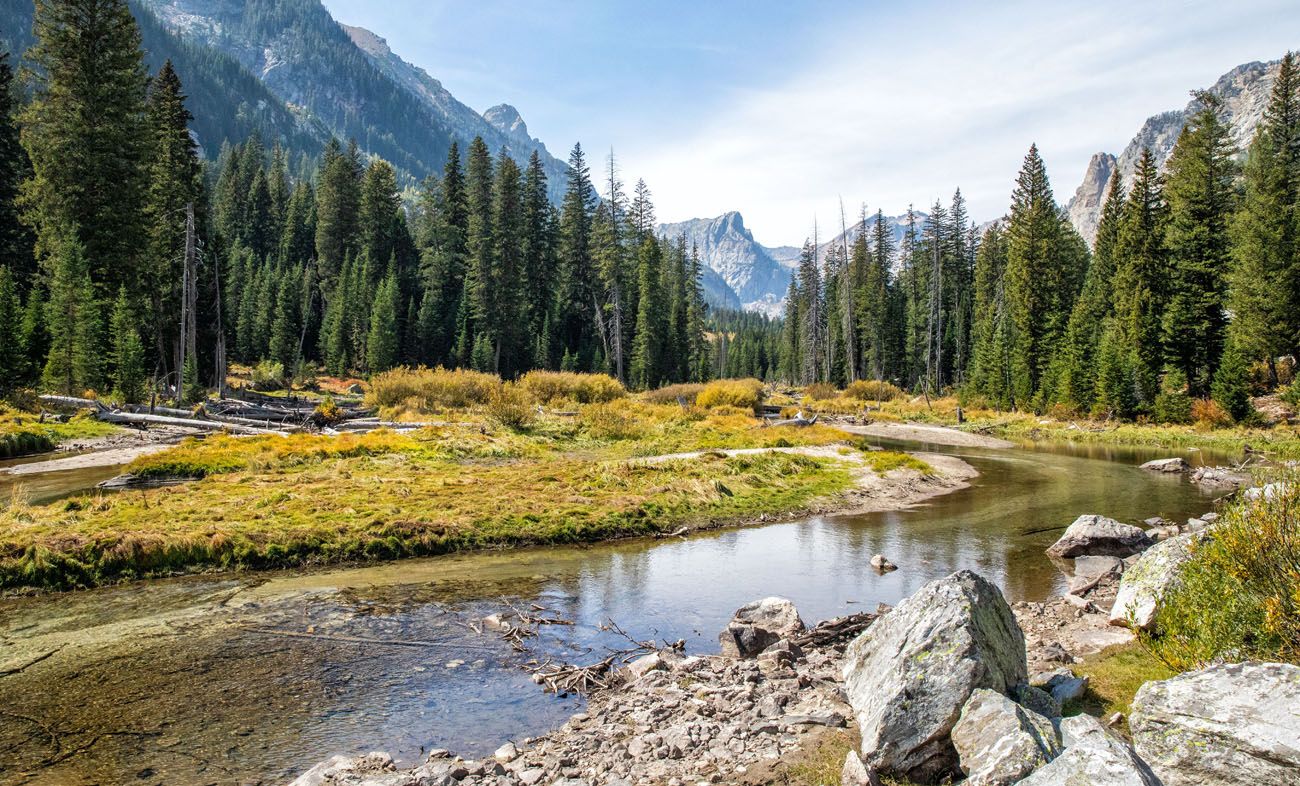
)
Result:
{"points": [[797, 422], [74, 402], [131, 418]]}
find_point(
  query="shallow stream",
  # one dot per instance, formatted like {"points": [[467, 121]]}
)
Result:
{"points": [[252, 678]]}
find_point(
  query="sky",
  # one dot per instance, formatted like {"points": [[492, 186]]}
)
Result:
{"points": [[783, 110]]}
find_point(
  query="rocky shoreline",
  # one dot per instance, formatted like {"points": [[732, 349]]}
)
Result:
{"points": [[952, 685]]}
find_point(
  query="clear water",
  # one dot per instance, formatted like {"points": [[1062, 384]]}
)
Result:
{"points": [[194, 681]]}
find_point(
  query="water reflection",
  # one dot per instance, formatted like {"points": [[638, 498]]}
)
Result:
{"points": [[198, 680]]}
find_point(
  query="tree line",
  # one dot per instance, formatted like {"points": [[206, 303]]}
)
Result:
{"points": [[127, 260], [1191, 290]]}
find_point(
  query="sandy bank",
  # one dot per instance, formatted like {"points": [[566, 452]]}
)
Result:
{"points": [[934, 435]]}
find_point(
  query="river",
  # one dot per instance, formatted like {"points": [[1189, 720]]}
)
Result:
{"points": [[251, 678]]}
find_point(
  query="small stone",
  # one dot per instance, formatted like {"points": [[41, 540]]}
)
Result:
{"points": [[855, 773], [1170, 465], [506, 753], [881, 563]]}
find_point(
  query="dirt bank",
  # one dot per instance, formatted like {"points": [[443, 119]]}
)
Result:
{"points": [[934, 435]]}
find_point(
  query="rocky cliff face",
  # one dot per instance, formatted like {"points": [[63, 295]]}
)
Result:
{"points": [[1244, 90], [347, 81], [755, 280]]}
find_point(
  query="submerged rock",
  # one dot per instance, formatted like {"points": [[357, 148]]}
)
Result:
{"points": [[1094, 535], [881, 563], [1000, 742], [346, 770], [1230, 724], [758, 625], [909, 675], [1092, 757], [1144, 585]]}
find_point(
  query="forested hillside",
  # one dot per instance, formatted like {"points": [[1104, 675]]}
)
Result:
{"points": [[127, 268]]}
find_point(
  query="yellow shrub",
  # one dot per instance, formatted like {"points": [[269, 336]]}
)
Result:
{"points": [[741, 393], [610, 421], [550, 386], [670, 394], [1207, 413], [427, 390], [512, 406], [872, 390], [821, 391]]}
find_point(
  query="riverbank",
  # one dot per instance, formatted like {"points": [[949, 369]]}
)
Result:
{"points": [[273, 502]]}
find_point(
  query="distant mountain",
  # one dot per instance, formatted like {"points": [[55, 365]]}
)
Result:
{"points": [[753, 279], [743, 273], [285, 69], [1244, 90]]}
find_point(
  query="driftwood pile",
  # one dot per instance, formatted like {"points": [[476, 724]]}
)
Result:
{"points": [[244, 413]]}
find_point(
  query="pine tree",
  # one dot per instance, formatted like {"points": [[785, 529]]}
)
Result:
{"points": [[993, 328], [1141, 276], [13, 360], [812, 318], [72, 315], [338, 199], [286, 326], [1264, 294], [128, 352], [1200, 193], [577, 309], [539, 252], [379, 210], [15, 237], [651, 330], [481, 248], [696, 314], [1093, 307], [507, 320], [1116, 391], [381, 344], [1231, 386], [1039, 286], [609, 234], [85, 133], [173, 171]]}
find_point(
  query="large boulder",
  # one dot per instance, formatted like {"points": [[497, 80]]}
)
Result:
{"points": [[1000, 742], [1099, 536], [758, 625], [1092, 757], [909, 675], [1230, 724], [1144, 585]]}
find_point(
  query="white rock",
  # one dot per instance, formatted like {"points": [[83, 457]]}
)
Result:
{"points": [[506, 753], [1166, 465], [1001, 742], [1094, 535], [908, 676], [1229, 724], [855, 773], [881, 562], [1092, 757], [758, 625], [1144, 585]]}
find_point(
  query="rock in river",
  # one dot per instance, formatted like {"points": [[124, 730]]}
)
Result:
{"points": [[1099, 536], [1166, 465], [1229, 724], [909, 675], [758, 625], [1145, 584]]}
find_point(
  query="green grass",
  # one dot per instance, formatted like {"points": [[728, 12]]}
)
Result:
{"points": [[268, 502], [23, 434], [884, 461], [1114, 677]]}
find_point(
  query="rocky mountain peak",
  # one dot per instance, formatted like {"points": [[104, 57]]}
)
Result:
{"points": [[1085, 207], [507, 120], [1244, 91]]}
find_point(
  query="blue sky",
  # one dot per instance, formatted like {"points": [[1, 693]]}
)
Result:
{"points": [[780, 109]]}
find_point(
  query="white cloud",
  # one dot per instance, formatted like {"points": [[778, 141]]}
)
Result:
{"points": [[905, 109]]}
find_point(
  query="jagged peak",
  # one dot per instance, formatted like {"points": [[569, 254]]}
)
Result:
{"points": [[506, 119], [368, 41]]}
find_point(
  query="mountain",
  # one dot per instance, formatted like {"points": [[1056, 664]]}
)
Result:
{"points": [[752, 278], [500, 126], [742, 273], [285, 69], [1244, 90]]}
